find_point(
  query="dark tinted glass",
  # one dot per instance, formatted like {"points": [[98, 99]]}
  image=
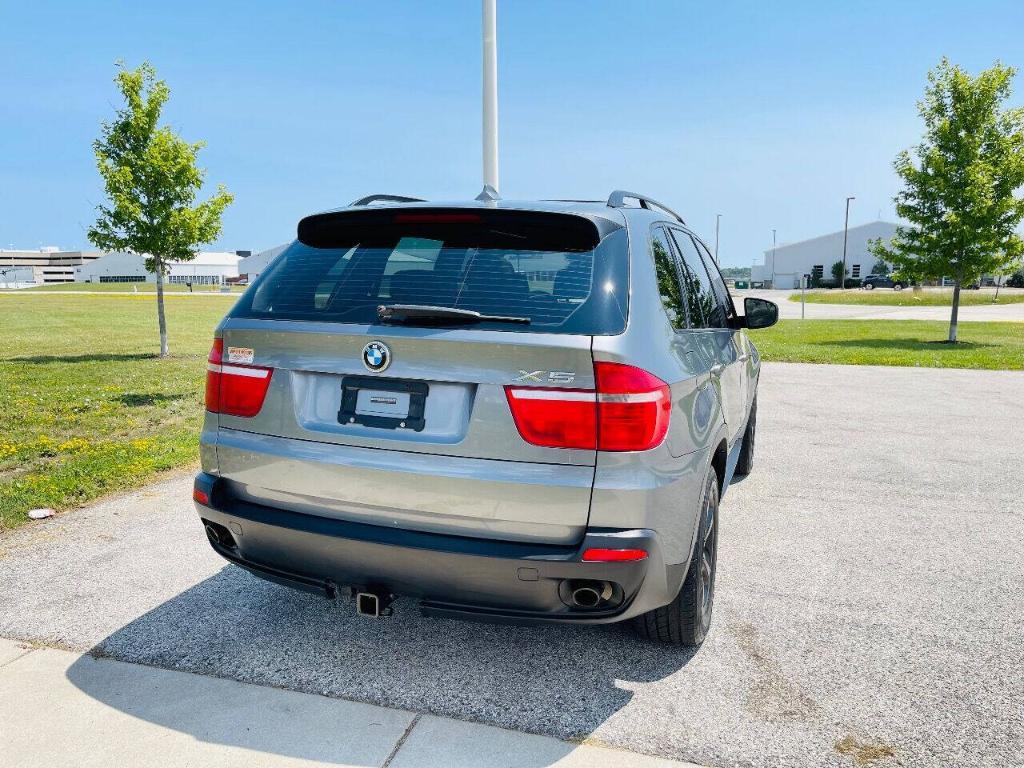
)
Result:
{"points": [[717, 281], [668, 278], [705, 311], [560, 291]]}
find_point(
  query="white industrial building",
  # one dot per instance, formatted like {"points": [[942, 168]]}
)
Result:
{"points": [[16, 277], [251, 266], [42, 266], [783, 266], [208, 268], [116, 267]]}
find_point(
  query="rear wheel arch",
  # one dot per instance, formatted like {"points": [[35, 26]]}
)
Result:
{"points": [[719, 457], [686, 619]]}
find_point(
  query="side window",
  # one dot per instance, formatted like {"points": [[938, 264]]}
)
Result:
{"points": [[717, 281], [668, 278], [705, 311]]}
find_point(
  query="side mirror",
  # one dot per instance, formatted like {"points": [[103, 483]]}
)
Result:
{"points": [[760, 313]]}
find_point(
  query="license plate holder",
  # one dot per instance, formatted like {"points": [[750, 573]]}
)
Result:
{"points": [[383, 403]]}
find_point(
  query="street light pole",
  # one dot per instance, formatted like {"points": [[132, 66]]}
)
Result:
{"points": [[773, 258], [490, 100], [718, 220], [846, 228]]}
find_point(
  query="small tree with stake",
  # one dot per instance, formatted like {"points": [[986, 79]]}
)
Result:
{"points": [[959, 195], [151, 180]]}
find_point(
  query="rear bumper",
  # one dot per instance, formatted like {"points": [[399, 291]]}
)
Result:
{"points": [[453, 576]]}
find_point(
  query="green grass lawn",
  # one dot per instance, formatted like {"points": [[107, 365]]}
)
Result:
{"points": [[122, 288], [927, 297], [86, 406], [893, 342]]}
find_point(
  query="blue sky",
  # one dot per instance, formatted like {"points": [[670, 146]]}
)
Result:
{"points": [[768, 113]]}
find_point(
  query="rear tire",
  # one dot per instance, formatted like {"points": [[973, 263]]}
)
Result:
{"points": [[687, 619], [745, 463], [897, 286]]}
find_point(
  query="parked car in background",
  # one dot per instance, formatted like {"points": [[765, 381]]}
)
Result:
{"points": [[871, 282], [510, 411]]}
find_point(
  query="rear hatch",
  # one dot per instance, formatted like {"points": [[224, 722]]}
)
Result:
{"points": [[406, 423]]}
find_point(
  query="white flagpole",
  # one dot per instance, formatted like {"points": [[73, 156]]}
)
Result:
{"points": [[490, 99]]}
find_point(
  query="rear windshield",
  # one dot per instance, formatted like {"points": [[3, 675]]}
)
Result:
{"points": [[564, 279]]}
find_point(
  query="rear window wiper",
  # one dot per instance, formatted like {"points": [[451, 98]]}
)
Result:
{"points": [[429, 315]]}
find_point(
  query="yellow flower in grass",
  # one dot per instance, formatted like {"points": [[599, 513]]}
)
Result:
{"points": [[142, 444], [139, 467], [74, 445], [7, 449]]}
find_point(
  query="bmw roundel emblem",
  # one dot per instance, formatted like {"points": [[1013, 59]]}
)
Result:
{"points": [[376, 356]]}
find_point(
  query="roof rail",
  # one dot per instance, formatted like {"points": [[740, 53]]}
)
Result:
{"points": [[617, 200], [386, 199]]}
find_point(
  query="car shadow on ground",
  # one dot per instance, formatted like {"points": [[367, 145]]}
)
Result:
{"points": [[140, 399], [931, 345], [553, 680]]}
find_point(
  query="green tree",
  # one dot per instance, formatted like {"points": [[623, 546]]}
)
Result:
{"points": [[838, 271], [960, 182], [668, 283], [151, 180], [880, 268], [737, 273]]}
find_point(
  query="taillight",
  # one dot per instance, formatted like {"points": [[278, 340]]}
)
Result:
{"points": [[628, 411], [555, 418], [234, 390], [213, 361], [633, 408]]}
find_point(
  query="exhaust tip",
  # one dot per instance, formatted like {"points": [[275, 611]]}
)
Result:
{"points": [[219, 535], [590, 594], [211, 534], [586, 597]]}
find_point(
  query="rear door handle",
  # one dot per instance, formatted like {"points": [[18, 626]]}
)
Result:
{"points": [[717, 369]]}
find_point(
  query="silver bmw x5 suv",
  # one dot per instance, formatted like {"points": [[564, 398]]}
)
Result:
{"points": [[511, 411]]}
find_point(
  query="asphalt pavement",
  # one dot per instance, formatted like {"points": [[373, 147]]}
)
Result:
{"points": [[869, 606]]}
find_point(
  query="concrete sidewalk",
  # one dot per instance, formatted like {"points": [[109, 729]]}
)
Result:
{"points": [[64, 709]]}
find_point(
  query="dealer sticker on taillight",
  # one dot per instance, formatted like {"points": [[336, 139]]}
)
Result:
{"points": [[240, 355]]}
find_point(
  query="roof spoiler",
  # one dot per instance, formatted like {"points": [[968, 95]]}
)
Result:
{"points": [[459, 227]]}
